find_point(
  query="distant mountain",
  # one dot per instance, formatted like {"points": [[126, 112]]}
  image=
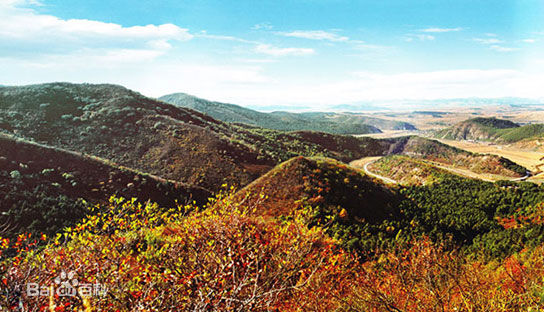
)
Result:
{"points": [[406, 105], [43, 189], [339, 123], [492, 129]]}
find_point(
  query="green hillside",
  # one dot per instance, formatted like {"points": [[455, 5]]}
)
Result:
{"points": [[339, 123]]}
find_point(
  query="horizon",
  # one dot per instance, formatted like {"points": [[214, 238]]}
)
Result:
{"points": [[364, 106], [313, 54]]}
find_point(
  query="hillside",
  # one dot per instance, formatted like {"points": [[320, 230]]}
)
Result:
{"points": [[319, 181], [43, 189], [176, 143], [492, 129], [339, 123], [407, 170], [434, 151]]}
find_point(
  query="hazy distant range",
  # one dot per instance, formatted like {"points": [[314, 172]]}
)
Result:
{"points": [[408, 105]]}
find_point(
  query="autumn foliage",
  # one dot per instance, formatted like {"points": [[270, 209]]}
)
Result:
{"points": [[227, 257]]}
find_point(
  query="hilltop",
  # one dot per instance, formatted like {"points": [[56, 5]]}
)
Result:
{"points": [[339, 123], [43, 189], [492, 129], [319, 181]]}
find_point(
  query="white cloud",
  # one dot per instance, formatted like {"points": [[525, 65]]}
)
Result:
{"points": [[14, 3], [23, 30], [264, 26], [420, 37], [417, 85], [494, 43], [503, 49], [488, 40], [441, 30], [204, 34], [315, 35], [152, 77], [247, 84], [275, 51], [371, 47], [529, 40]]}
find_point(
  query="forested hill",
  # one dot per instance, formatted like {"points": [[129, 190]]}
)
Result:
{"points": [[172, 142], [43, 189], [340, 123]]}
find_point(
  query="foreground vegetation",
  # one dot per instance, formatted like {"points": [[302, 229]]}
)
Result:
{"points": [[296, 240], [228, 258]]}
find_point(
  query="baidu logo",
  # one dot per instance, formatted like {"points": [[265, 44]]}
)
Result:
{"points": [[66, 285]]}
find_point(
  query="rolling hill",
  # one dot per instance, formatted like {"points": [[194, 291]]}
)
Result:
{"points": [[319, 181], [339, 123], [176, 143], [129, 129], [492, 129], [407, 170], [443, 154], [43, 189]]}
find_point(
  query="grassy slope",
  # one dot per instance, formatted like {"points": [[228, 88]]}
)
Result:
{"points": [[340, 123], [407, 170]]}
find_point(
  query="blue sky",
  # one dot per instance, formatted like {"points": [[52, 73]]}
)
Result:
{"points": [[312, 53]]}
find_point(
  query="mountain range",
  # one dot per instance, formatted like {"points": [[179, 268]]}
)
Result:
{"points": [[339, 123]]}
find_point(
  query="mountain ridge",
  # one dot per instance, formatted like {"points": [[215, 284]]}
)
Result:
{"points": [[339, 123]]}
